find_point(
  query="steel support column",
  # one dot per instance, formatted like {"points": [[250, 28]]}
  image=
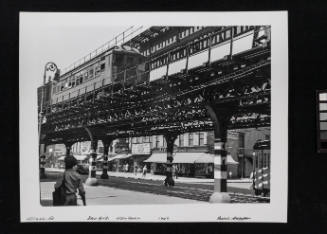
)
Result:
{"points": [[220, 119], [68, 147], [170, 139], [42, 161], [92, 180], [106, 144]]}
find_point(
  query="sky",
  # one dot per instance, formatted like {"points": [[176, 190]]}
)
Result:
{"points": [[48, 39]]}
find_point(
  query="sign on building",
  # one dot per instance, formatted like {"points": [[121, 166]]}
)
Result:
{"points": [[141, 148]]}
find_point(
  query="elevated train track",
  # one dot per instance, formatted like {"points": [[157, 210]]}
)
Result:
{"points": [[153, 108]]}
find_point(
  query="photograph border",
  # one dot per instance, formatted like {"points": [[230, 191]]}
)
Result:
{"points": [[275, 211]]}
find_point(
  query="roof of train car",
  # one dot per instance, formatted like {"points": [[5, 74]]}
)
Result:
{"points": [[122, 49]]}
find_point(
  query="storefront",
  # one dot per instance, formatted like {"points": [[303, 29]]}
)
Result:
{"points": [[195, 164], [118, 163]]}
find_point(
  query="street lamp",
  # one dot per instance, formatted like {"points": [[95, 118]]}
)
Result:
{"points": [[51, 156], [51, 67]]}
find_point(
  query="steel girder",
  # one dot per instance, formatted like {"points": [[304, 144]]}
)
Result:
{"points": [[175, 103]]}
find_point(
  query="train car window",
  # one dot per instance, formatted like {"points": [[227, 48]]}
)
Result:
{"points": [[205, 43], [222, 36], [267, 159], [321, 121], [118, 60], [217, 38], [129, 62], [238, 30], [91, 73], [228, 34], [258, 159]]}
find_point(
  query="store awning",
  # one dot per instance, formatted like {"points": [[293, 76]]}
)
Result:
{"points": [[80, 157], [230, 160], [157, 158], [61, 158], [188, 158], [120, 156]]}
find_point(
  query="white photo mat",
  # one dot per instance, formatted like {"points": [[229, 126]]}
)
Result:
{"points": [[275, 211]]}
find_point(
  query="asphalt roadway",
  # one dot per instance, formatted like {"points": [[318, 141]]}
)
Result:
{"points": [[188, 190]]}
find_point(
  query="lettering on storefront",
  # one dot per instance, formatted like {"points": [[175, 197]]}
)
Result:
{"points": [[141, 149]]}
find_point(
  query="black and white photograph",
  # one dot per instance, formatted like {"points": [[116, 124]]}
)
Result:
{"points": [[153, 117]]}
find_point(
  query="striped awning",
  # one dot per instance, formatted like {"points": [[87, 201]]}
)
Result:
{"points": [[120, 156], [188, 158]]}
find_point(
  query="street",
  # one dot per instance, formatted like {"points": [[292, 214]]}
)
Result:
{"points": [[127, 188]]}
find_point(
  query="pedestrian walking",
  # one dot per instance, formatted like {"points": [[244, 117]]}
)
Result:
{"points": [[169, 177], [176, 171], [144, 171], [135, 170], [71, 182]]}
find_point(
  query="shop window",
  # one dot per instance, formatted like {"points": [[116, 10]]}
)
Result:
{"points": [[322, 121], [157, 142], [181, 140], [201, 138], [190, 139]]}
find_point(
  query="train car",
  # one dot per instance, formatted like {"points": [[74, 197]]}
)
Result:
{"points": [[214, 45], [120, 64], [261, 167]]}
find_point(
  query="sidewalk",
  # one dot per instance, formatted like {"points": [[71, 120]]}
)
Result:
{"points": [[103, 195], [150, 176]]}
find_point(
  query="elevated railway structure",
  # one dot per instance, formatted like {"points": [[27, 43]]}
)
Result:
{"points": [[182, 79]]}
